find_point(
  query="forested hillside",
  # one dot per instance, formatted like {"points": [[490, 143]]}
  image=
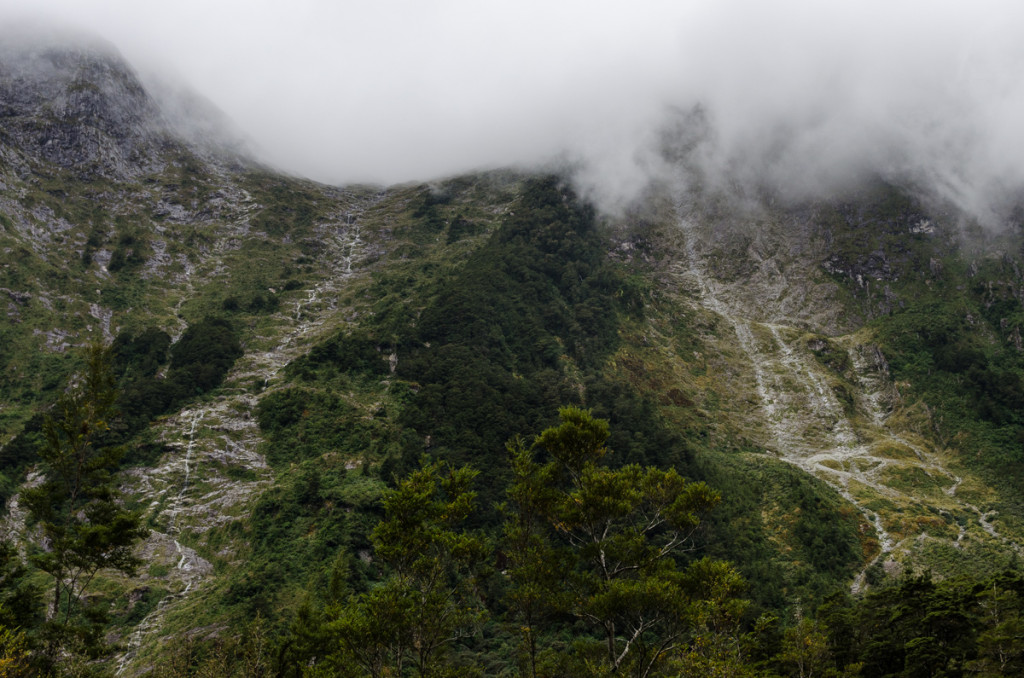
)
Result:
{"points": [[252, 425]]}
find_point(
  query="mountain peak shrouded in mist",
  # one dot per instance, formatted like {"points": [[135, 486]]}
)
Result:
{"points": [[799, 101], [71, 99]]}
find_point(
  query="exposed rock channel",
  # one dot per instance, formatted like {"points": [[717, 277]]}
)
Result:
{"points": [[899, 482]]}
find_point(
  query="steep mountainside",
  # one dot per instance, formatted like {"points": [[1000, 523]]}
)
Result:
{"points": [[833, 309], [848, 374]]}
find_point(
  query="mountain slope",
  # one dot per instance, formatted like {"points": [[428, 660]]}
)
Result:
{"points": [[847, 374], [828, 403]]}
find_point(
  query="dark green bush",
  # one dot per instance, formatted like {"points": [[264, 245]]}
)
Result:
{"points": [[204, 354]]}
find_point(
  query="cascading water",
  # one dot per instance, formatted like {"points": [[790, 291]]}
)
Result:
{"points": [[807, 426]]}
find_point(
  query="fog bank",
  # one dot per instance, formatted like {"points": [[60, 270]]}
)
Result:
{"points": [[795, 97]]}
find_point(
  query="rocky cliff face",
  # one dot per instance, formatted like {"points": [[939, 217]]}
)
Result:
{"points": [[79, 106], [81, 109]]}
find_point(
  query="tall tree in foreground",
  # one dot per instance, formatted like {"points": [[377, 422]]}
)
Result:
{"points": [[83, 523], [534, 562], [602, 543], [429, 600]]}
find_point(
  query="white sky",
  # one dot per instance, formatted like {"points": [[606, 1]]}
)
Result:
{"points": [[803, 93]]}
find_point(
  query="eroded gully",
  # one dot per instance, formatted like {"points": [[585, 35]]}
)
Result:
{"points": [[805, 424]]}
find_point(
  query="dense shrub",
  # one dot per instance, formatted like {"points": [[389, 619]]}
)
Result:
{"points": [[204, 354]]}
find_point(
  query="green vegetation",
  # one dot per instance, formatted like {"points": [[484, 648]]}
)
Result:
{"points": [[529, 320], [581, 541], [960, 626], [79, 512], [598, 579], [952, 343], [601, 545], [803, 547], [430, 599], [203, 356], [303, 424], [300, 533], [195, 364], [291, 208], [494, 346]]}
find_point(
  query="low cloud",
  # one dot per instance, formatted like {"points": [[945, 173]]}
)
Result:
{"points": [[806, 99], [798, 98]]}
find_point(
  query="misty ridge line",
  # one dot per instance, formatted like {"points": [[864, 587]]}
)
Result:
{"points": [[807, 101], [794, 100], [795, 164]]}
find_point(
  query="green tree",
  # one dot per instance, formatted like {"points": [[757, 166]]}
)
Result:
{"points": [[430, 598], [83, 524], [618, 532], [804, 650], [14, 658], [19, 596], [533, 561], [1001, 642]]}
